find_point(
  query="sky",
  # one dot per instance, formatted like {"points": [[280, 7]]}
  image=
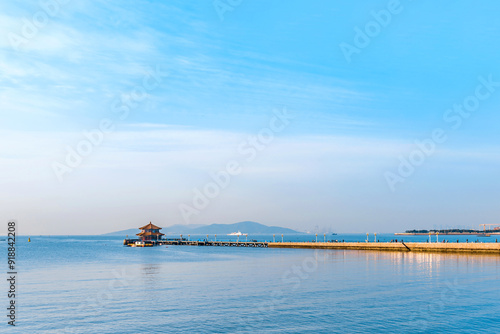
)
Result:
{"points": [[365, 117]]}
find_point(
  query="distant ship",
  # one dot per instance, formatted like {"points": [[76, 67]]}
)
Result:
{"points": [[236, 233], [334, 233]]}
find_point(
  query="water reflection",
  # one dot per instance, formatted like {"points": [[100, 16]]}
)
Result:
{"points": [[429, 264]]}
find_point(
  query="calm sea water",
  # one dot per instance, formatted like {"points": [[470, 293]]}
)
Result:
{"points": [[95, 285]]}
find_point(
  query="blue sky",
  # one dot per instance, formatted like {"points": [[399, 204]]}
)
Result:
{"points": [[223, 81]]}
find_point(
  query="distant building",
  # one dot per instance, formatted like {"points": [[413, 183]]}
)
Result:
{"points": [[150, 232]]}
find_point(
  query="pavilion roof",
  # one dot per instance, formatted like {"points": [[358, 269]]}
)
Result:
{"points": [[150, 227], [145, 234]]}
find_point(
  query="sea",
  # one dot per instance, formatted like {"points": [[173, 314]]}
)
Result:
{"points": [[94, 284]]}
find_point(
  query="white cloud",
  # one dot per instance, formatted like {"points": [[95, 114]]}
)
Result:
{"points": [[152, 168]]}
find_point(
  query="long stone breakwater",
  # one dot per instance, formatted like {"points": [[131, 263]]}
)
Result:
{"points": [[471, 248], [448, 247]]}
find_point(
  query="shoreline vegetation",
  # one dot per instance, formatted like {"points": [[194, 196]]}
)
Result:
{"points": [[450, 232]]}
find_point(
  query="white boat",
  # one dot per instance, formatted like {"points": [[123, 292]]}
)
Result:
{"points": [[236, 233]]}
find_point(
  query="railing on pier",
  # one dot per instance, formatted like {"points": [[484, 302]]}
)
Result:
{"points": [[184, 242]]}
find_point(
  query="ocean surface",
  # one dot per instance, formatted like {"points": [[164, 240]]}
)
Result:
{"points": [[91, 284]]}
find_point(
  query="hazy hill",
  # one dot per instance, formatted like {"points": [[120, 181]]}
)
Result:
{"points": [[174, 229], [243, 227]]}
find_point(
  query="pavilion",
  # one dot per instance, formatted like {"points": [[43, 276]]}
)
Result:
{"points": [[150, 232]]}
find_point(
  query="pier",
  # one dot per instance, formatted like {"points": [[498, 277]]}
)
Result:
{"points": [[442, 247], [216, 243], [448, 247], [184, 242]]}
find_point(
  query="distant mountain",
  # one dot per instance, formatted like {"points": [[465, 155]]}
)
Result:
{"points": [[179, 228], [222, 229], [174, 229], [243, 227]]}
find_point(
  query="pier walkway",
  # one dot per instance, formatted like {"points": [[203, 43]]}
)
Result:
{"points": [[472, 248], [216, 243], [443, 247]]}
